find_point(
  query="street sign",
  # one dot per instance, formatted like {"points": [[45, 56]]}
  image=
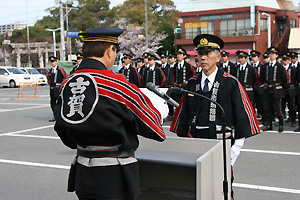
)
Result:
{"points": [[177, 30], [73, 33], [6, 42]]}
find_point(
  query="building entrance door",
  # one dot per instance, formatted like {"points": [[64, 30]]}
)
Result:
{"points": [[281, 27]]}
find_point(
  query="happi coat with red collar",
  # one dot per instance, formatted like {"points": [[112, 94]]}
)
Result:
{"points": [[98, 107], [232, 97]]}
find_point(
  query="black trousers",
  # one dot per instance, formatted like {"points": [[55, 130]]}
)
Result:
{"points": [[54, 93], [272, 105], [290, 101]]}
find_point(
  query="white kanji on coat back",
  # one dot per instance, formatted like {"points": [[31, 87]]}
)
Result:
{"points": [[76, 101], [79, 98]]}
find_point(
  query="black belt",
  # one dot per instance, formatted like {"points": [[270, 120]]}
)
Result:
{"points": [[105, 153]]}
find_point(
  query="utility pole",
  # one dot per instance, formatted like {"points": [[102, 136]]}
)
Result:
{"points": [[62, 33], [28, 47], [146, 23]]}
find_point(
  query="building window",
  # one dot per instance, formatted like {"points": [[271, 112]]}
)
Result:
{"points": [[196, 28], [237, 27], [263, 24], [292, 23]]}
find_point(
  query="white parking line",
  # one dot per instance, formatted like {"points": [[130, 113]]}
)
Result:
{"points": [[29, 104], [34, 136], [34, 164], [271, 152], [259, 187], [239, 185], [27, 108], [26, 130]]}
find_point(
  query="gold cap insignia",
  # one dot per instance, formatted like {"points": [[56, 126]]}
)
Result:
{"points": [[203, 42]]}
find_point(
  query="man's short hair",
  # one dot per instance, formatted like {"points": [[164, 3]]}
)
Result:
{"points": [[96, 49]]}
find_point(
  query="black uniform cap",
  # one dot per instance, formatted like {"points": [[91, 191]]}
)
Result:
{"points": [[140, 60], [182, 51], [145, 55], [294, 54], [255, 53], [279, 56], [125, 55], [266, 55], [273, 50], [224, 53], [74, 62], [79, 56], [109, 35], [241, 54], [286, 56], [187, 56], [53, 58], [208, 42], [151, 56], [163, 56], [172, 55]]}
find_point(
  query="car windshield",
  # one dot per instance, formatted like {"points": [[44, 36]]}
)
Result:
{"points": [[15, 71], [32, 71]]}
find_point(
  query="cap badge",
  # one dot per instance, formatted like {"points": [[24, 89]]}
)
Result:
{"points": [[203, 42]]}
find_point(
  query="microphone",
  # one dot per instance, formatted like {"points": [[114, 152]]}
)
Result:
{"points": [[150, 86]]}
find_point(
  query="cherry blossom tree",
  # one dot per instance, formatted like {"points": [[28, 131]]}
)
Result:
{"points": [[132, 41]]}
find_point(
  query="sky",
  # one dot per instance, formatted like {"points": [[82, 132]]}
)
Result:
{"points": [[29, 11]]}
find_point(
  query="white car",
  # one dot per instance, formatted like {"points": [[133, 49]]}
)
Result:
{"points": [[12, 76], [35, 75]]}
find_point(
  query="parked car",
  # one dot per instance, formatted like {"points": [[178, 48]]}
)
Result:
{"points": [[43, 70], [12, 76], [40, 79]]}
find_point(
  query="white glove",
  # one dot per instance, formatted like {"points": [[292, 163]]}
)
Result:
{"points": [[236, 149]]}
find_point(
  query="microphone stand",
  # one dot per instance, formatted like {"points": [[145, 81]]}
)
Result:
{"points": [[223, 131]]}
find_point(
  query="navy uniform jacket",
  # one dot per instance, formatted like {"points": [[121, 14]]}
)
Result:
{"points": [[168, 71], [55, 80], [280, 79], [179, 77], [231, 95], [290, 87], [160, 78], [247, 82], [98, 107], [230, 68], [132, 76]]}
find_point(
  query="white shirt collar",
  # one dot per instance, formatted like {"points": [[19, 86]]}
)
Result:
{"points": [[152, 68], [211, 79], [286, 66], [226, 63], [273, 62], [127, 66], [243, 66], [257, 63]]}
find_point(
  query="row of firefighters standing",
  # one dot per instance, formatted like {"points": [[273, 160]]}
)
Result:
{"points": [[271, 86]]}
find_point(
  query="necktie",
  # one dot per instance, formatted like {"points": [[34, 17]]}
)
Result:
{"points": [[205, 88], [271, 64], [179, 66], [254, 65], [53, 70]]}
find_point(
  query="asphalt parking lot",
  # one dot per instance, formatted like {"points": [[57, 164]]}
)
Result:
{"points": [[34, 164]]}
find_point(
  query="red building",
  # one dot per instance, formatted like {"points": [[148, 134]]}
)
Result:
{"points": [[243, 27]]}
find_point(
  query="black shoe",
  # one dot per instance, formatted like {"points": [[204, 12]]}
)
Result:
{"points": [[297, 130], [52, 120], [267, 128], [280, 129]]}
